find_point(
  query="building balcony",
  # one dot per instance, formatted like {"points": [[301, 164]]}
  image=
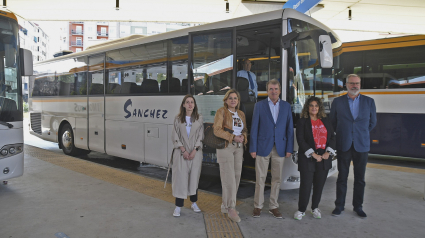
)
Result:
{"points": [[105, 34], [75, 32], [76, 43], [77, 22]]}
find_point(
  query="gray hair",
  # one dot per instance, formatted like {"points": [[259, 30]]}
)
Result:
{"points": [[352, 75], [274, 82]]}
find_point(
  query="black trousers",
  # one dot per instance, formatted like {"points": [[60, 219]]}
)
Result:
{"points": [[359, 163], [193, 198], [308, 178]]}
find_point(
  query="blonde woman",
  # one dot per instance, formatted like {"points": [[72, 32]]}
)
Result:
{"points": [[187, 157], [230, 158]]}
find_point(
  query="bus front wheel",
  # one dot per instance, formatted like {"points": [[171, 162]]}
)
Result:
{"points": [[67, 140]]}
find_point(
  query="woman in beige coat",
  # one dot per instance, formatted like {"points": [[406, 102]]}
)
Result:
{"points": [[231, 157], [187, 136]]}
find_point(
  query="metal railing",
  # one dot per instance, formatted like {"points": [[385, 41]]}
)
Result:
{"points": [[75, 32], [76, 43], [99, 33]]}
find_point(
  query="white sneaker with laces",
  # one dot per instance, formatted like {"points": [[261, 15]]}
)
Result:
{"points": [[316, 213], [299, 215], [195, 207], [176, 212]]}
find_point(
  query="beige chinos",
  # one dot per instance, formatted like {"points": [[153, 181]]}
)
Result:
{"points": [[261, 167], [230, 161]]}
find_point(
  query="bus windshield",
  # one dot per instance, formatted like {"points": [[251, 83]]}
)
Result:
{"points": [[306, 77], [10, 83]]}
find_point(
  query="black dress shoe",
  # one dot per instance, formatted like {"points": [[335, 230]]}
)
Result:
{"points": [[337, 211], [360, 212]]}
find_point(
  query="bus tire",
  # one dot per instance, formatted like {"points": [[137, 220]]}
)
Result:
{"points": [[67, 141]]}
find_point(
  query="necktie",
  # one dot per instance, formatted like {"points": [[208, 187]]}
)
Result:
{"points": [[251, 83]]}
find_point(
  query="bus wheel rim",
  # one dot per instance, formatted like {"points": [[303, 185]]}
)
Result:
{"points": [[67, 140]]}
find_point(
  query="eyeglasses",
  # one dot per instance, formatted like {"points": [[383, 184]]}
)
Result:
{"points": [[351, 83]]}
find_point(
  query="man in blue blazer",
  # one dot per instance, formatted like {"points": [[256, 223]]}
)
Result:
{"points": [[272, 138], [353, 116]]}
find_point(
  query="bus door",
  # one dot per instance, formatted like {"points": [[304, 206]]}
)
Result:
{"points": [[96, 103]]}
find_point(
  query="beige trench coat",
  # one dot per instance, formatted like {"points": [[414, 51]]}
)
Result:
{"points": [[185, 176]]}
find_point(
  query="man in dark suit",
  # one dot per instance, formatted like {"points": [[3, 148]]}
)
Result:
{"points": [[353, 116], [272, 139]]}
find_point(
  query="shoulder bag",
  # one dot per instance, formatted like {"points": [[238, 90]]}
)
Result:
{"points": [[211, 140]]}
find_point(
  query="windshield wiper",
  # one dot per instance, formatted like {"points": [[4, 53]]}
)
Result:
{"points": [[6, 124]]}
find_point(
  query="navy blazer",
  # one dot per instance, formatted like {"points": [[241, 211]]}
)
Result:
{"points": [[350, 131], [265, 133], [305, 141]]}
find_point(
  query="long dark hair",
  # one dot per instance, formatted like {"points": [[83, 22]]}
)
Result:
{"points": [[182, 113], [320, 114]]}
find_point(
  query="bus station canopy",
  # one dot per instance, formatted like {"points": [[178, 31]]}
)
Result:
{"points": [[386, 16]]}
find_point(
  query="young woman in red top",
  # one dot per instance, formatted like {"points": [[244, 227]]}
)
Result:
{"points": [[316, 142]]}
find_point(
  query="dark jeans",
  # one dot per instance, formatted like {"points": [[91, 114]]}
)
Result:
{"points": [[359, 163], [317, 179], [193, 198]]}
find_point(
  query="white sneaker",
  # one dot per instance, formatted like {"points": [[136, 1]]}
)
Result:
{"points": [[316, 213], [223, 209], [195, 207], [176, 212], [299, 215]]}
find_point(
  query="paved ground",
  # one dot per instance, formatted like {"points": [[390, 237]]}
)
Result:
{"points": [[82, 199]]}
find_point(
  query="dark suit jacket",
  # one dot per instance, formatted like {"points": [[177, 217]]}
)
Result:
{"points": [[305, 141], [265, 133], [350, 131]]}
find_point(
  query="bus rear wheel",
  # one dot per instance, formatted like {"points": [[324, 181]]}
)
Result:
{"points": [[67, 141]]}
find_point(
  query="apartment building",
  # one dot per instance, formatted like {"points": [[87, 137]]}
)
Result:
{"points": [[85, 34], [33, 38]]}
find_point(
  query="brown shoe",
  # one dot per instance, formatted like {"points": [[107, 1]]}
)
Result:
{"points": [[275, 212], [256, 213]]}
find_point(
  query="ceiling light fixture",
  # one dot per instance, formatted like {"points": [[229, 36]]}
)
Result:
{"points": [[117, 5], [349, 13]]}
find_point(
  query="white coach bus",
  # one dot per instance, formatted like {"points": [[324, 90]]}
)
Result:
{"points": [[14, 64], [120, 98]]}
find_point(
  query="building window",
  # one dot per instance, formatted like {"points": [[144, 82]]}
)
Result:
{"points": [[78, 50], [79, 29], [138, 30], [79, 41]]}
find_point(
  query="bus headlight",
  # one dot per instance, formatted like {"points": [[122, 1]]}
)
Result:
{"points": [[11, 150]]}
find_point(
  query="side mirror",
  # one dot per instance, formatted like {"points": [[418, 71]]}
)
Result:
{"points": [[26, 62], [325, 51]]}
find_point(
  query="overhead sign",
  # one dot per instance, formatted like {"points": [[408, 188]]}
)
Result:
{"points": [[301, 5]]}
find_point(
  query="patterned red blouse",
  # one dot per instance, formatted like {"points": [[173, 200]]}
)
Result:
{"points": [[320, 134]]}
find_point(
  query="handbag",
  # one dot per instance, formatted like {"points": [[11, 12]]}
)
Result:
{"points": [[211, 140]]}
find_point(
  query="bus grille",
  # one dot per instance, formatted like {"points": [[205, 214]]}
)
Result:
{"points": [[36, 122]]}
